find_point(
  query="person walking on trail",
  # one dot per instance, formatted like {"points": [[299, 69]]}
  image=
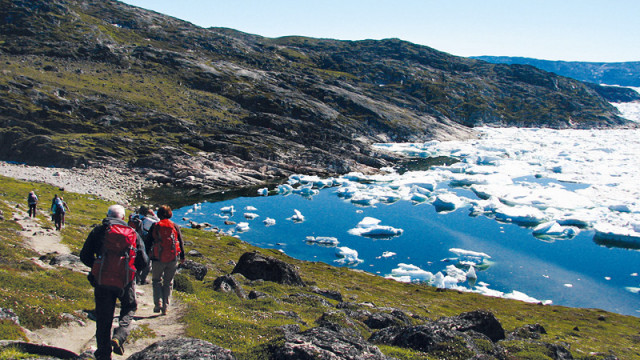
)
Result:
{"points": [[142, 221], [113, 251], [32, 200], [165, 245], [58, 210]]}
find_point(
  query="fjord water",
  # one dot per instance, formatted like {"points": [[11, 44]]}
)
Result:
{"points": [[573, 272]]}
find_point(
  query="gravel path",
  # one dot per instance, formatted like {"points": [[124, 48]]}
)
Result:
{"points": [[109, 183]]}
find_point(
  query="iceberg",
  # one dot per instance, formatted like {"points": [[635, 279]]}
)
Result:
{"points": [[269, 221], [263, 192], [347, 256], [297, 216], [227, 210], [242, 227], [370, 227], [250, 216], [446, 202], [323, 240], [553, 230], [410, 273]]}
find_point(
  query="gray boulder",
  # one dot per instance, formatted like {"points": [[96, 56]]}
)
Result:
{"points": [[254, 266], [228, 283], [197, 270], [325, 343], [183, 349]]}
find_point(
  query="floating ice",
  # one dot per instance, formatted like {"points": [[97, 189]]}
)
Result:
{"points": [[347, 256], [284, 189], [250, 208], [306, 191], [446, 202], [297, 216], [242, 227], [269, 221], [370, 227], [388, 254], [323, 240], [410, 273], [250, 216], [227, 210], [263, 192], [553, 230]]}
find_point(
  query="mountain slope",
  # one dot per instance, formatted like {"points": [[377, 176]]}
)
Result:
{"points": [[620, 73], [87, 82]]}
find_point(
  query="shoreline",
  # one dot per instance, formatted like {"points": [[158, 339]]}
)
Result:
{"points": [[107, 182]]}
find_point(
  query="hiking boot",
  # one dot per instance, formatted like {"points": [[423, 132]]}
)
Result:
{"points": [[164, 310], [118, 348], [156, 309]]}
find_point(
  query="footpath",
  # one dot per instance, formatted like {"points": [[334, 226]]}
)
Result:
{"points": [[79, 336]]}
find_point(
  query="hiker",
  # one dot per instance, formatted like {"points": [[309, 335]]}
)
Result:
{"points": [[142, 221], [32, 200], [164, 241], [58, 209], [113, 251]]}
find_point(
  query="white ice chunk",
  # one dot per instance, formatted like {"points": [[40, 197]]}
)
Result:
{"points": [[555, 230], [242, 227], [250, 216], [370, 227], [269, 221], [347, 256], [323, 240], [410, 273], [297, 216], [263, 191], [447, 202], [227, 210]]}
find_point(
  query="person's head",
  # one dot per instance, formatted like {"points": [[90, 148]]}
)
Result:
{"points": [[150, 213], [164, 212], [31, 193], [116, 211], [55, 196], [143, 210]]}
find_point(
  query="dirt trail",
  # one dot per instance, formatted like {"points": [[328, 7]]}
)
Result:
{"points": [[79, 336]]}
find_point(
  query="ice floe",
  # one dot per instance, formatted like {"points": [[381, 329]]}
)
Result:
{"points": [[370, 227], [269, 221], [297, 216], [347, 256], [323, 240]]}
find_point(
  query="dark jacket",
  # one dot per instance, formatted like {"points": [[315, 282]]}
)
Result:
{"points": [[93, 245], [149, 240]]}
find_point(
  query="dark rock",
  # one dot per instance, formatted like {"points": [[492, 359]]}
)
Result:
{"points": [[481, 321], [253, 295], [558, 352], [330, 294], [530, 331], [64, 259], [194, 253], [254, 265], [228, 283], [183, 349], [324, 343], [381, 320], [197, 270]]}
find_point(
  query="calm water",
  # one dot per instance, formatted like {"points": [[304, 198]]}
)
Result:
{"points": [[576, 272]]}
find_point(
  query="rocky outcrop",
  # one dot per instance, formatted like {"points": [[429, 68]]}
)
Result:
{"points": [[459, 336], [228, 283], [197, 270], [325, 343], [183, 349], [255, 266]]}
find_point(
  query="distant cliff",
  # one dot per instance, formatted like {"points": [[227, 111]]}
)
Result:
{"points": [[619, 73], [102, 81]]}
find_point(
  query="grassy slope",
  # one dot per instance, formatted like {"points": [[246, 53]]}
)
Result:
{"points": [[246, 325]]}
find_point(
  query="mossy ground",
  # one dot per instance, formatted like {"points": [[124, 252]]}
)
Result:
{"points": [[245, 326]]}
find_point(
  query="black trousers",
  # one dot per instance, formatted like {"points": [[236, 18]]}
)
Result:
{"points": [[105, 307], [32, 210]]}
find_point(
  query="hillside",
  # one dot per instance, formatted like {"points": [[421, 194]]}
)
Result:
{"points": [[619, 73], [87, 83]]}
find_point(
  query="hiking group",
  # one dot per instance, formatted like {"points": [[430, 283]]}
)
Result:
{"points": [[119, 254], [58, 208]]}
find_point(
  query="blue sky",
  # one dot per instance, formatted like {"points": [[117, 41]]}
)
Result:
{"points": [[571, 30]]}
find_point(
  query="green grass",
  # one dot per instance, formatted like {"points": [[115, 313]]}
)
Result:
{"points": [[247, 327]]}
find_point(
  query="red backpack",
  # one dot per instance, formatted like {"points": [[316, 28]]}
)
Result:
{"points": [[166, 246], [115, 267]]}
